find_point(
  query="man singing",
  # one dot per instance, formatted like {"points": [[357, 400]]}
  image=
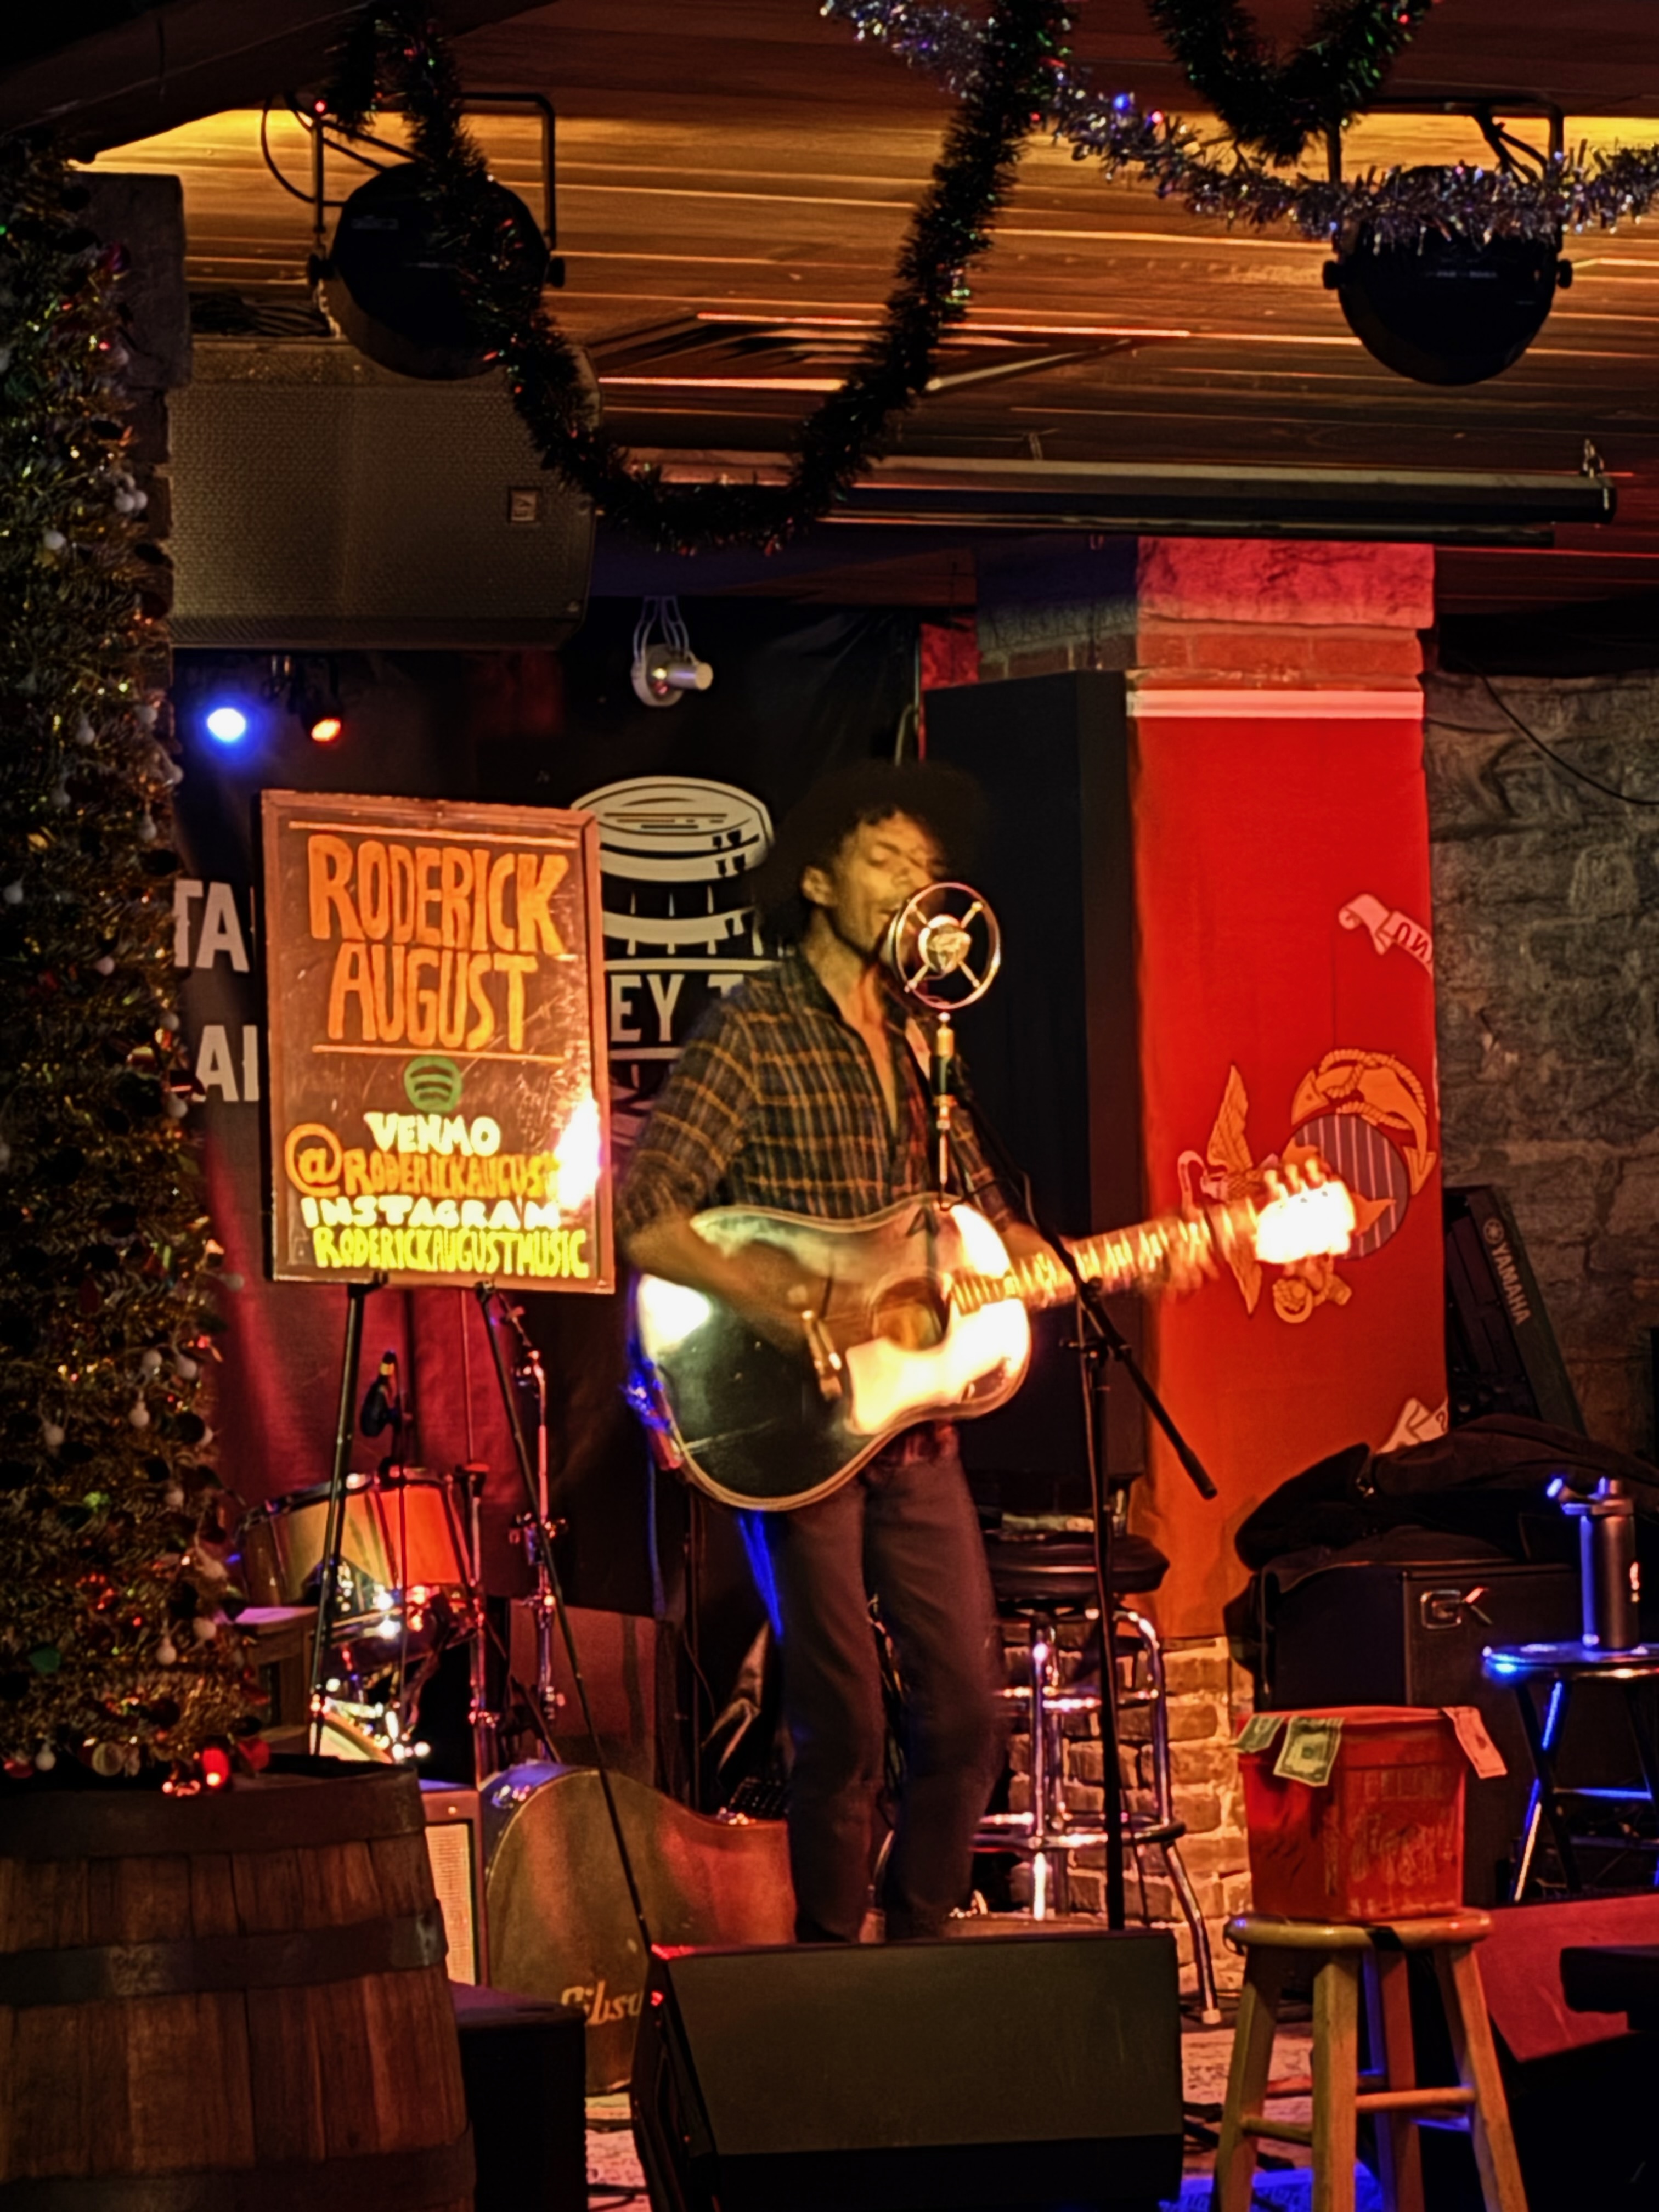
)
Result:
{"points": [[801, 1092]]}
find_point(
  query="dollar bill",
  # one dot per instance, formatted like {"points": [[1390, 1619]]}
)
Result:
{"points": [[1258, 1731], [1309, 1752]]}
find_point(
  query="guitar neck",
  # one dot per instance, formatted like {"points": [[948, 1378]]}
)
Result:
{"points": [[1145, 1257]]}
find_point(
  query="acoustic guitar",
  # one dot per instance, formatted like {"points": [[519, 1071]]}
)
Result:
{"points": [[921, 1315]]}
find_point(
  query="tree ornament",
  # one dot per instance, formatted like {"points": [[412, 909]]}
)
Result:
{"points": [[138, 1413], [149, 1363], [51, 1435], [45, 1758], [108, 1759], [13, 893], [166, 1653]]}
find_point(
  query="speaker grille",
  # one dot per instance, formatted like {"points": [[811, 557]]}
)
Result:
{"points": [[318, 503]]}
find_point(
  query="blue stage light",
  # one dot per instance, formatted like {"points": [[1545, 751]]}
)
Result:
{"points": [[228, 725]]}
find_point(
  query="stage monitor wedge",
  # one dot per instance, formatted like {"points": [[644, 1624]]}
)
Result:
{"points": [[1029, 2071], [320, 503]]}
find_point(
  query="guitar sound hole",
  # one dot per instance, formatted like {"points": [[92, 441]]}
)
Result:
{"points": [[911, 1314]]}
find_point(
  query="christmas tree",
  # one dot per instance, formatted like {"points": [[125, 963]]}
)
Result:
{"points": [[110, 1651]]}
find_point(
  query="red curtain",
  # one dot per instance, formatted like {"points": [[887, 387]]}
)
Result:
{"points": [[1287, 998]]}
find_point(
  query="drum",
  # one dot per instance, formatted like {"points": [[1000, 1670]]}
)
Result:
{"points": [[401, 1535]]}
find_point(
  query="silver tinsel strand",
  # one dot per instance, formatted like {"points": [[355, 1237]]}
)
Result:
{"points": [[1583, 190]]}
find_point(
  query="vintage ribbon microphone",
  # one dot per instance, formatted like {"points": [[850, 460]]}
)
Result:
{"points": [[943, 949]]}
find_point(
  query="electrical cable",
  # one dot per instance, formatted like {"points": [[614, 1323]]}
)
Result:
{"points": [[334, 145], [270, 159], [1630, 797]]}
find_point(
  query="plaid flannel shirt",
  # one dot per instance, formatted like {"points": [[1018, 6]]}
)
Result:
{"points": [[774, 1103]]}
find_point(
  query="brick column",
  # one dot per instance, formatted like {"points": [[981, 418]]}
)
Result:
{"points": [[1273, 686]]}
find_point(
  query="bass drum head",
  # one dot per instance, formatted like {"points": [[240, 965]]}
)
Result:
{"points": [[560, 1925]]}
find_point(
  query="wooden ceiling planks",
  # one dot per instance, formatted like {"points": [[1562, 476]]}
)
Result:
{"points": [[734, 182]]}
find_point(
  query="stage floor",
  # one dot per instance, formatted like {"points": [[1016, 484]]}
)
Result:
{"points": [[612, 2165]]}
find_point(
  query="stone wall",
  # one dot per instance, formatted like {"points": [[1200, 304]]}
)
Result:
{"points": [[1547, 953]]}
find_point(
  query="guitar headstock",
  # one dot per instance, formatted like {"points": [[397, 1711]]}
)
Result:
{"points": [[1306, 1214]]}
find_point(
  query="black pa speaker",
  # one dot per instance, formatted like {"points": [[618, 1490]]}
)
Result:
{"points": [[522, 2068], [321, 503], [1033, 2070]]}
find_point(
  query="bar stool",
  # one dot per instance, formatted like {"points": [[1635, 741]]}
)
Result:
{"points": [[1348, 1958], [1043, 1580]]}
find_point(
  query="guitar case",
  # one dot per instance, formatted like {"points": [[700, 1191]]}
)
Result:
{"points": [[560, 1925]]}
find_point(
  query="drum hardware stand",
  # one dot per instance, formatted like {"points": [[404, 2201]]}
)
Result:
{"points": [[357, 1296], [481, 1722], [528, 1527], [487, 1294]]}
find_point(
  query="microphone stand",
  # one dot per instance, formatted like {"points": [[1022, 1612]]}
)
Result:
{"points": [[486, 1293], [1098, 1342]]}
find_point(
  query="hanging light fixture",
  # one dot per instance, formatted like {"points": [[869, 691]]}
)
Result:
{"points": [[665, 666]]}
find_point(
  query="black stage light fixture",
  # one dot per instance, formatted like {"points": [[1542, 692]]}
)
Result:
{"points": [[1443, 309], [392, 288]]}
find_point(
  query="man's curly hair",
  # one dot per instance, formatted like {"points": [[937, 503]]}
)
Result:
{"points": [[946, 801]]}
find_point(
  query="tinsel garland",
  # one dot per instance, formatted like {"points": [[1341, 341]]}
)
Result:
{"points": [[1398, 207], [110, 1650], [1007, 90]]}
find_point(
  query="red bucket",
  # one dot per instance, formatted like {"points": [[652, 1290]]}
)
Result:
{"points": [[1382, 1840]]}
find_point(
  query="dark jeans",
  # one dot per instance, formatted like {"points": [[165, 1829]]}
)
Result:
{"points": [[903, 1530]]}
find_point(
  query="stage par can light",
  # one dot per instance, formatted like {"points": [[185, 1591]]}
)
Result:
{"points": [[394, 289], [1444, 309], [226, 724]]}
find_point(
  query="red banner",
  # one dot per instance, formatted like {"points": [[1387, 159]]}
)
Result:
{"points": [[1287, 995]]}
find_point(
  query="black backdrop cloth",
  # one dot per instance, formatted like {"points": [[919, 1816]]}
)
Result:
{"points": [[796, 692]]}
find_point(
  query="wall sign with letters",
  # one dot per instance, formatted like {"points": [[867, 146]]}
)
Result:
{"points": [[437, 1100]]}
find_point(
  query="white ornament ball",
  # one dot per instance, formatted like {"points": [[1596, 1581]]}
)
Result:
{"points": [[53, 540], [166, 1653], [84, 732], [150, 1362], [51, 1435], [45, 1758], [170, 1022], [206, 1627], [173, 1499], [104, 964], [138, 1414], [177, 1107], [60, 798], [145, 711], [13, 894], [146, 824], [185, 1367]]}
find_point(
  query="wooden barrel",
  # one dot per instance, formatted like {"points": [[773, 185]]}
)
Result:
{"points": [[226, 2004]]}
